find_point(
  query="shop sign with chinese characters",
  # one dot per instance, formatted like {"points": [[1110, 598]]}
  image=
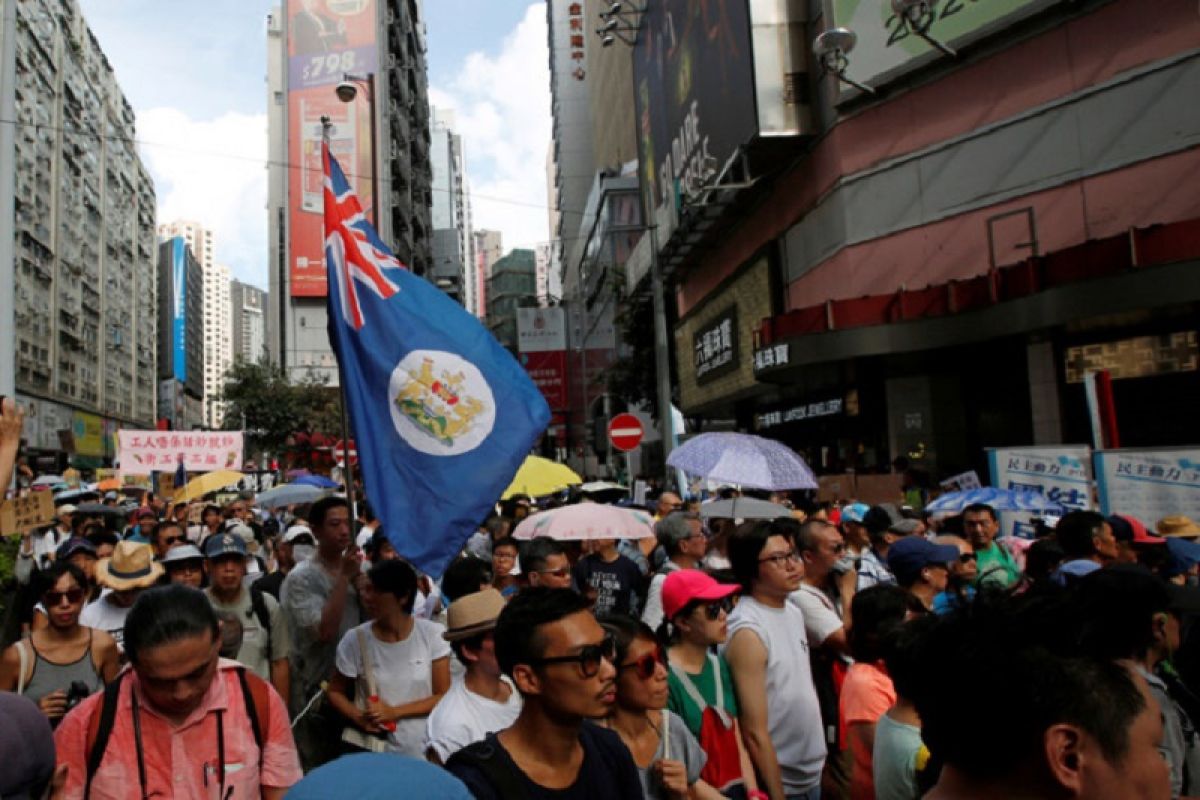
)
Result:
{"points": [[714, 347], [577, 40], [775, 355], [142, 452], [798, 413]]}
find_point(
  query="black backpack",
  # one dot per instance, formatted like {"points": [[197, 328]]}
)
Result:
{"points": [[499, 771]]}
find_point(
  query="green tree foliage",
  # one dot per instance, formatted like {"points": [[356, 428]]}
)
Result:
{"points": [[272, 408]]}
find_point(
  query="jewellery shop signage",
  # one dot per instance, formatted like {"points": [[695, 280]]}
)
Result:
{"points": [[798, 413], [715, 346]]}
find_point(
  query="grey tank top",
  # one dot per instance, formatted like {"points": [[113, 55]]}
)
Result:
{"points": [[50, 677]]}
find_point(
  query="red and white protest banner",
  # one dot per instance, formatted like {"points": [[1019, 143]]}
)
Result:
{"points": [[143, 452]]}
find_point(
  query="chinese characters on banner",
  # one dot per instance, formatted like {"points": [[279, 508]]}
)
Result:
{"points": [[1149, 484], [715, 346], [1061, 473], [577, 39], [143, 452], [25, 513], [542, 344]]}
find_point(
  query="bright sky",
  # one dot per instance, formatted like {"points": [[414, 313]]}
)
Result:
{"points": [[195, 74]]}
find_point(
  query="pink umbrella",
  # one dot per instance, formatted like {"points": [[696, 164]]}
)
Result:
{"points": [[586, 521]]}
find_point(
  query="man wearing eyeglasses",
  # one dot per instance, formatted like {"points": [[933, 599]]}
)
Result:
{"points": [[561, 661], [963, 572], [681, 537], [768, 656]]}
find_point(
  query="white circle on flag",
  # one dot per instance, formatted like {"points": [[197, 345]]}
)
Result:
{"points": [[440, 403]]}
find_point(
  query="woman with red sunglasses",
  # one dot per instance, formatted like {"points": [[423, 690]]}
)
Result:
{"points": [[700, 689], [668, 757], [63, 662]]}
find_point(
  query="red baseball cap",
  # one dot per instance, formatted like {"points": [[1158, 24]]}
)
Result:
{"points": [[683, 586], [1130, 529]]}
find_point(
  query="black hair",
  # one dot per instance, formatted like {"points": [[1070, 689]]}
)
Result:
{"points": [[806, 534], [166, 614], [375, 543], [1042, 558], [537, 551], [878, 613], [365, 511], [1116, 608], [56, 570], [470, 643], [398, 578], [320, 509], [901, 651], [211, 507], [102, 536], [747, 544], [877, 521], [465, 575], [506, 541], [162, 526], [1076, 533], [494, 524], [624, 629], [980, 508], [998, 641], [518, 639]]}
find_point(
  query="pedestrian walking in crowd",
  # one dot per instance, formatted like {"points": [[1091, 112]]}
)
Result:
{"points": [[681, 537], [180, 721], [166, 535], [995, 565], [504, 562], [253, 628], [1088, 544], [296, 545], [922, 567], [561, 661], [768, 655], [873, 562], [901, 765], [484, 701], [63, 662], [185, 565], [129, 571], [700, 689], [397, 666], [667, 755], [544, 563], [321, 606], [612, 578]]}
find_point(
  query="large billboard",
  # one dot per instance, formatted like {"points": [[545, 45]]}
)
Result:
{"points": [[327, 39], [886, 46], [179, 286], [694, 73]]}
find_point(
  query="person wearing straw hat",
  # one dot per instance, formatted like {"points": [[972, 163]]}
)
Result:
{"points": [[129, 570], [484, 701], [1178, 525]]}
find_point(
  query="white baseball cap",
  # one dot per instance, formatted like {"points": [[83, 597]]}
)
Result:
{"points": [[296, 531]]}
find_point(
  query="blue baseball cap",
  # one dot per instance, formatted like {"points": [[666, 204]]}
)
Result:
{"points": [[225, 544], [855, 512], [907, 557], [76, 544]]}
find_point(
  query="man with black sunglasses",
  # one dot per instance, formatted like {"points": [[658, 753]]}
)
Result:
{"points": [[165, 536], [561, 661]]}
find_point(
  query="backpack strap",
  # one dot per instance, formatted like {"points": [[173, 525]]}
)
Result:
{"points": [[99, 729], [256, 693], [23, 655], [258, 604], [485, 757], [686, 681]]}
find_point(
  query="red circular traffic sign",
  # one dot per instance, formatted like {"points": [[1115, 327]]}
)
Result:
{"points": [[625, 431]]}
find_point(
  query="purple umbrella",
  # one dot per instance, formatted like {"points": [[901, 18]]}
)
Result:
{"points": [[744, 460]]}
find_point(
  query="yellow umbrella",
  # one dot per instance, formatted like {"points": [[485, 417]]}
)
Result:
{"points": [[541, 476], [208, 482]]}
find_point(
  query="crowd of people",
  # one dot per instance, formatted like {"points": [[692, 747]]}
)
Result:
{"points": [[833, 651]]}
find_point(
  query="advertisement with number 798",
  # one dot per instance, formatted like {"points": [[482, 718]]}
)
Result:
{"points": [[327, 39]]}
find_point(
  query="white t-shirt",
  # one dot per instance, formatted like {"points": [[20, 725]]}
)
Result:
{"points": [[793, 713], [821, 618], [403, 672], [105, 615], [463, 717]]}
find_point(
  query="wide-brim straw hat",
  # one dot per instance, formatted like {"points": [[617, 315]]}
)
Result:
{"points": [[1178, 525], [473, 614], [131, 566]]}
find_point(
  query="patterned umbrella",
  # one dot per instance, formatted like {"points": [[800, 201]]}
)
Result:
{"points": [[744, 460], [999, 499], [586, 521]]}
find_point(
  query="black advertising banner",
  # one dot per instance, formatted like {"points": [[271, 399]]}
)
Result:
{"points": [[715, 347], [695, 93]]}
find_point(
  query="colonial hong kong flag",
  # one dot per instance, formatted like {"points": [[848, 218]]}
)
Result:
{"points": [[442, 414]]}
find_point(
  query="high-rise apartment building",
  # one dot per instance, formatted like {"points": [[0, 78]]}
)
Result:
{"points": [[77, 240], [218, 341], [453, 242], [181, 337], [249, 321], [381, 138]]}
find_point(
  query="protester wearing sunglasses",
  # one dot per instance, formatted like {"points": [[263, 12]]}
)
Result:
{"points": [[667, 755], [562, 663], [960, 589], [700, 689], [64, 662]]}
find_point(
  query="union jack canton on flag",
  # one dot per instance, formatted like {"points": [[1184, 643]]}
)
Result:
{"points": [[442, 414]]}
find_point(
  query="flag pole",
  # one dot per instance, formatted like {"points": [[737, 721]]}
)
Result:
{"points": [[347, 470]]}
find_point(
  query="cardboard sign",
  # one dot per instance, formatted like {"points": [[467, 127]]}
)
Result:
{"points": [[876, 489], [164, 485], [962, 482], [25, 513]]}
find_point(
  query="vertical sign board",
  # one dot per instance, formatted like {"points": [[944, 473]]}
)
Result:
{"points": [[179, 308], [1149, 484], [542, 344], [1060, 472], [694, 75], [715, 346], [326, 40]]}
